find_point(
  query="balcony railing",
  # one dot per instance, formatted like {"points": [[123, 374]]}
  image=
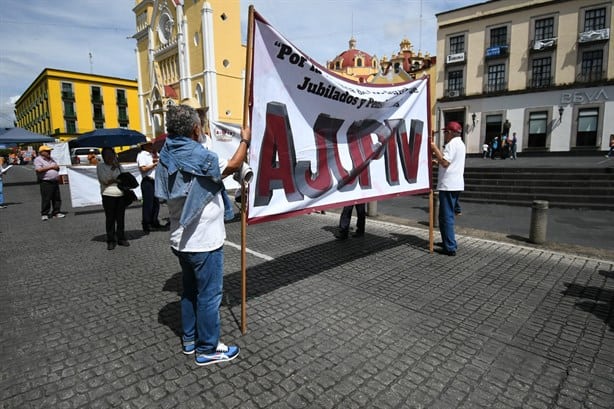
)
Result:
{"points": [[540, 81], [591, 76], [594, 35], [495, 87], [97, 99], [70, 114], [497, 51], [543, 45], [68, 95], [122, 101]]}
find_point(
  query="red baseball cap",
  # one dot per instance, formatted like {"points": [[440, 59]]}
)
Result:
{"points": [[454, 127]]}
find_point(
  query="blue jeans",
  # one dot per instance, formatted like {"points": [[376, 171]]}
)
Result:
{"points": [[448, 201], [1, 192], [151, 204], [203, 279]]}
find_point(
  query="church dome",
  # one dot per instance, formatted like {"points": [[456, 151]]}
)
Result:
{"points": [[351, 58]]}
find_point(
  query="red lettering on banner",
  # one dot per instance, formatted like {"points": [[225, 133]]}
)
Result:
{"points": [[277, 142], [278, 168], [325, 132]]}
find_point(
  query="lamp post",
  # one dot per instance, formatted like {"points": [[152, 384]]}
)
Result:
{"points": [[561, 110], [473, 118]]}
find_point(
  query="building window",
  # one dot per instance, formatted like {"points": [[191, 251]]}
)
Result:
{"points": [[588, 119], [121, 97], [122, 116], [594, 19], [71, 126], [98, 117], [541, 74], [544, 28], [498, 37], [496, 78], [538, 122], [359, 62], [455, 83], [457, 44], [69, 109], [67, 91], [592, 66], [96, 95]]}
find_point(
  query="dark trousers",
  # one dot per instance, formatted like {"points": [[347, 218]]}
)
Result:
{"points": [[346, 215], [114, 212], [151, 204], [50, 197]]}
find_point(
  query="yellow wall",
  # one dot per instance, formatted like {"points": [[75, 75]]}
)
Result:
{"points": [[46, 115], [229, 59]]}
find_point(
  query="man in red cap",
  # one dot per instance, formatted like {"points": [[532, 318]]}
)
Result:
{"points": [[450, 182]]}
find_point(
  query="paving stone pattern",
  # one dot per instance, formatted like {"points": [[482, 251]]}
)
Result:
{"points": [[374, 322]]}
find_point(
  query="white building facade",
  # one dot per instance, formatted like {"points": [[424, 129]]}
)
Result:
{"points": [[545, 66]]}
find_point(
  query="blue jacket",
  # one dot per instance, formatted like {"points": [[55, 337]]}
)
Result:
{"points": [[191, 171]]}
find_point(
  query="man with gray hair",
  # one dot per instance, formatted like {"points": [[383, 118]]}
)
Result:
{"points": [[450, 182], [189, 177]]}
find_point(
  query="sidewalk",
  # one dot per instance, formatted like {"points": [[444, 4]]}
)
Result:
{"points": [[376, 322]]}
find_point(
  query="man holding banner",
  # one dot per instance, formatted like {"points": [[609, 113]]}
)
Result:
{"points": [[189, 177], [450, 182]]}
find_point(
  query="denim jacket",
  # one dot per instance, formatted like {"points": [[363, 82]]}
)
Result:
{"points": [[191, 171]]}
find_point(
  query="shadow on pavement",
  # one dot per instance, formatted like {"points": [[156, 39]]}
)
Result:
{"points": [[602, 304]]}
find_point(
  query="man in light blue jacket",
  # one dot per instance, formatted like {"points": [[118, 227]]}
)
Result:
{"points": [[189, 177]]}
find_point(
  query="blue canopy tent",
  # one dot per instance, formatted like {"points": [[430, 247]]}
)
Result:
{"points": [[19, 136], [109, 137]]}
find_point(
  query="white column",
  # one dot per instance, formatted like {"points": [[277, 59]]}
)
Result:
{"points": [[209, 73], [184, 58], [140, 93]]}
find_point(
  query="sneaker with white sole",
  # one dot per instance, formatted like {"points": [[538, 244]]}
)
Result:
{"points": [[44, 217], [222, 353], [59, 215], [188, 347]]}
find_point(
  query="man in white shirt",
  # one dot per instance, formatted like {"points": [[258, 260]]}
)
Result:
{"points": [[450, 182], [151, 205]]}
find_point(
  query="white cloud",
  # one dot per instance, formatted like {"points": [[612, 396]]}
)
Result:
{"points": [[60, 34]]}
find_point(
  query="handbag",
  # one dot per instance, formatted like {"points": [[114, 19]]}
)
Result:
{"points": [[126, 181]]}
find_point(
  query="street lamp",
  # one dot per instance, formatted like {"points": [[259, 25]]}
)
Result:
{"points": [[473, 118], [561, 110]]}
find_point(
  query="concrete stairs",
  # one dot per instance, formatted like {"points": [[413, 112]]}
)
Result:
{"points": [[588, 188]]}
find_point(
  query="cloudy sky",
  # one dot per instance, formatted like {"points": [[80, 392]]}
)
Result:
{"points": [[39, 34]]}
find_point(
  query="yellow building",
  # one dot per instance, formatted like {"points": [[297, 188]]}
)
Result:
{"points": [[189, 49], [65, 104]]}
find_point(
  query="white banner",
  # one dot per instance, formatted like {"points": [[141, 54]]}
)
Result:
{"points": [[225, 140], [319, 141], [85, 188]]}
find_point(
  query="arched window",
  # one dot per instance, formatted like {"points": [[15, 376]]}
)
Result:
{"points": [[359, 62]]}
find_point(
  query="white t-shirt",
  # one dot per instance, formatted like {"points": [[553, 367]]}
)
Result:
{"points": [[206, 233], [451, 178], [145, 158]]}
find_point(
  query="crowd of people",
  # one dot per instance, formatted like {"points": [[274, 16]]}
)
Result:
{"points": [[503, 147]]}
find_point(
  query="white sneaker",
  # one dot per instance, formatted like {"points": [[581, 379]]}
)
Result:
{"points": [[44, 218], [59, 215]]}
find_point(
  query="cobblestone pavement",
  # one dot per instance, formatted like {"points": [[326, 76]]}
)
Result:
{"points": [[374, 322]]}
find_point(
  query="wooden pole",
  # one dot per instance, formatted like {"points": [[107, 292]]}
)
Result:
{"points": [[249, 58], [431, 234]]}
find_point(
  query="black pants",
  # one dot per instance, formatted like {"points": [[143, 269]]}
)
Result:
{"points": [[151, 204], [50, 197], [346, 215], [114, 212]]}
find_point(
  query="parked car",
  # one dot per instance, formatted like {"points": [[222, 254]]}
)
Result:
{"points": [[78, 156]]}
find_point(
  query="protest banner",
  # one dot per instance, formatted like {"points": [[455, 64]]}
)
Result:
{"points": [[321, 141]]}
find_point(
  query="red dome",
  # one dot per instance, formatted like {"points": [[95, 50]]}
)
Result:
{"points": [[352, 57]]}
